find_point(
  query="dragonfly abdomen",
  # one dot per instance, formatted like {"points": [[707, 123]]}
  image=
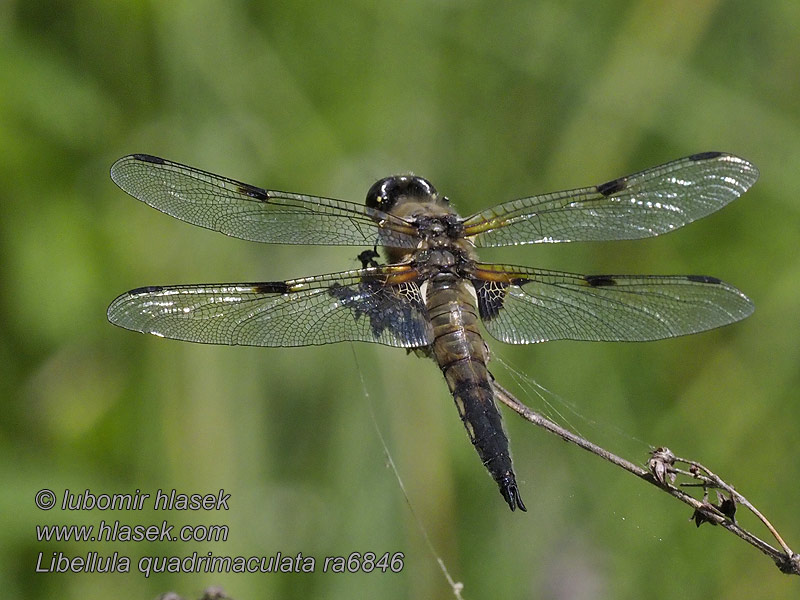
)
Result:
{"points": [[462, 355]]}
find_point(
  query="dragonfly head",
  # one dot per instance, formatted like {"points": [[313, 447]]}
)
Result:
{"points": [[390, 193]]}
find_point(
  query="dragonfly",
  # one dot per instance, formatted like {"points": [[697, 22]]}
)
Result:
{"points": [[432, 292]]}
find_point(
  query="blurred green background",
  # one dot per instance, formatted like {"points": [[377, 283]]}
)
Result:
{"points": [[490, 102]]}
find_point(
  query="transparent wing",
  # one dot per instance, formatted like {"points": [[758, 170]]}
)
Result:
{"points": [[352, 306], [644, 204], [251, 213], [519, 305]]}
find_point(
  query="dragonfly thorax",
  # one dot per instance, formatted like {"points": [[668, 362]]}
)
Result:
{"points": [[441, 241], [453, 260], [416, 201]]}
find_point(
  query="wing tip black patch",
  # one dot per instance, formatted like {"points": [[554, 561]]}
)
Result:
{"points": [[613, 186], [149, 158], [600, 280], [148, 289], [705, 155], [703, 279], [253, 191]]}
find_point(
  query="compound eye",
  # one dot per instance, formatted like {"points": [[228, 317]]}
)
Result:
{"points": [[378, 195], [385, 193], [420, 187]]}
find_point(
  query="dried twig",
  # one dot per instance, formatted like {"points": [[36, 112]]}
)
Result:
{"points": [[663, 473]]}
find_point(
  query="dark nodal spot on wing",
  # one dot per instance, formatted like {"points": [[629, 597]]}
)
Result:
{"points": [[600, 280], [272, 287], [612, 187], [705, 155], [253, 191], [703, 279], [149, 289], [149, 158], [520, 281]]}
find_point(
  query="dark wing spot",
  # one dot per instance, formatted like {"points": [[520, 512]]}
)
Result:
{"points": [[149, 289], [272, 287], [149, 158], [703, 279], [705, 155], [253, 191], [397, 308], [600, 280], [612, 187], [491, 295]]}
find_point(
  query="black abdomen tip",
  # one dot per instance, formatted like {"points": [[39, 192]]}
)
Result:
{"points": [[510, 492]]}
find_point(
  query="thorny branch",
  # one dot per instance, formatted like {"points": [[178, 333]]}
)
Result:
{"points": [[662, 473]]}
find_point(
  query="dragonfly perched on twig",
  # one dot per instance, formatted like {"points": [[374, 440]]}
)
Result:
{"points": [[433, 291]]}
